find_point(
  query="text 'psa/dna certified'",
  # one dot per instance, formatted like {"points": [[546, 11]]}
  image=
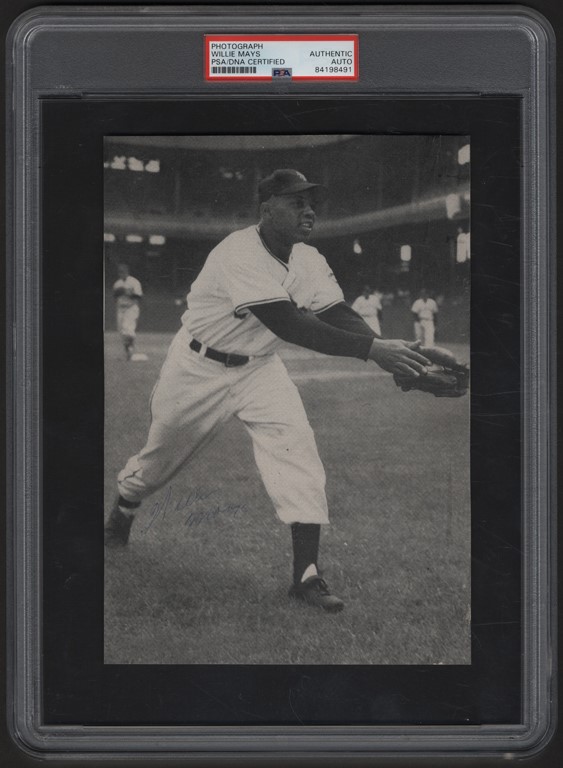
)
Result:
{"points": [[281, 57]]}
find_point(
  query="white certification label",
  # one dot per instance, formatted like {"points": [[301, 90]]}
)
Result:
{"points": [[273, 57]]}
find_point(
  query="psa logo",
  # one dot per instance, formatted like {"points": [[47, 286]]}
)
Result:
{"points": [[285, 72]]}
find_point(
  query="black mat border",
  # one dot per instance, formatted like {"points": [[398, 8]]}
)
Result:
{"points": [[78, 689]]}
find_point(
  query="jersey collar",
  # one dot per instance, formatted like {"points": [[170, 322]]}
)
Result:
{"points": [[273, 255]]}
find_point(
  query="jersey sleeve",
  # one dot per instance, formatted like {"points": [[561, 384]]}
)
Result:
{"points": [[328, 291], [137, 289], [249, 284]]}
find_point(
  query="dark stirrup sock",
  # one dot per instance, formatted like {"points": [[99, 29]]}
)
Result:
{"points": [[305, 538]]}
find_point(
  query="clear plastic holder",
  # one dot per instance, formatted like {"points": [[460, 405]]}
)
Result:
{"points": [[92, 54]]}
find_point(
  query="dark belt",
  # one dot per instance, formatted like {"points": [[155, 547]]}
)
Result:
{"points": [[227, 358]]}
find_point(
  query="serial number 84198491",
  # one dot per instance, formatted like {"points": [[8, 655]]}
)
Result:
{"points": [[333, 69]]}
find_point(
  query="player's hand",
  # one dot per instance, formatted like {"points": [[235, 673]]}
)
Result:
{"points": [[397, 356], [441, 356]]}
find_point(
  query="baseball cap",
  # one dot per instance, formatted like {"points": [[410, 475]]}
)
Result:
{"points": [[284, 181]]}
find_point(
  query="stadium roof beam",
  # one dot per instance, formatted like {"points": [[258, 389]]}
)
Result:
{"points": [[226, 143]]}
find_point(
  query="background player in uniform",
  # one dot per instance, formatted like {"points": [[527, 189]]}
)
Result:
{"points": [[425, 310], [368, 305], [128, 293], [259, 286]]}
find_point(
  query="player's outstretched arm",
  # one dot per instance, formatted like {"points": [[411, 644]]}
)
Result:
{"points": [[306, 330]]}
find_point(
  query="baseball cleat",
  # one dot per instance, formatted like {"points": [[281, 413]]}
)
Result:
{"points": [[117, 529], [314, 591]]}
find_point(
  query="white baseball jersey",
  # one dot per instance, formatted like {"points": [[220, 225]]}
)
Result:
{"points": [[425, 309], [132, 287], [241, 272], [367, 307]]}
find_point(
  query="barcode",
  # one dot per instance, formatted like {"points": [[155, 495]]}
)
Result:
{"points": [[233, 70]]}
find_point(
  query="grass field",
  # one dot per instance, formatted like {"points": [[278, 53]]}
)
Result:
{"points": [[206, 587]]}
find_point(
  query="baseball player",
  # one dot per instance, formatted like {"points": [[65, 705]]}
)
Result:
{"points": [[368, 305], [128, 293], [259, 286], [425, 310]]}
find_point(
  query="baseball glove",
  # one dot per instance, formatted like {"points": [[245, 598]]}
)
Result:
{"points": [[445, 377]]}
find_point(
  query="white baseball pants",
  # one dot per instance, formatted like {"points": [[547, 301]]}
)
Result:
{"points": [[373, 322], [424, 332], [127, 318], [194, 396]]}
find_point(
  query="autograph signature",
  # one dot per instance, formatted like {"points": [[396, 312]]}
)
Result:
{"points": [[185, 503]]}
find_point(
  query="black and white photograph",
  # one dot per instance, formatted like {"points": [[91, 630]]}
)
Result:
{"points": [[287, 411], [282, 383]]}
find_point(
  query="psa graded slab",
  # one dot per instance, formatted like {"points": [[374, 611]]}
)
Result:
{"points": [[281, 396]]}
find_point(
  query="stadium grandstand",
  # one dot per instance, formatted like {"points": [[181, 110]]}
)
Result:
{"points": [[395, 215]]}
